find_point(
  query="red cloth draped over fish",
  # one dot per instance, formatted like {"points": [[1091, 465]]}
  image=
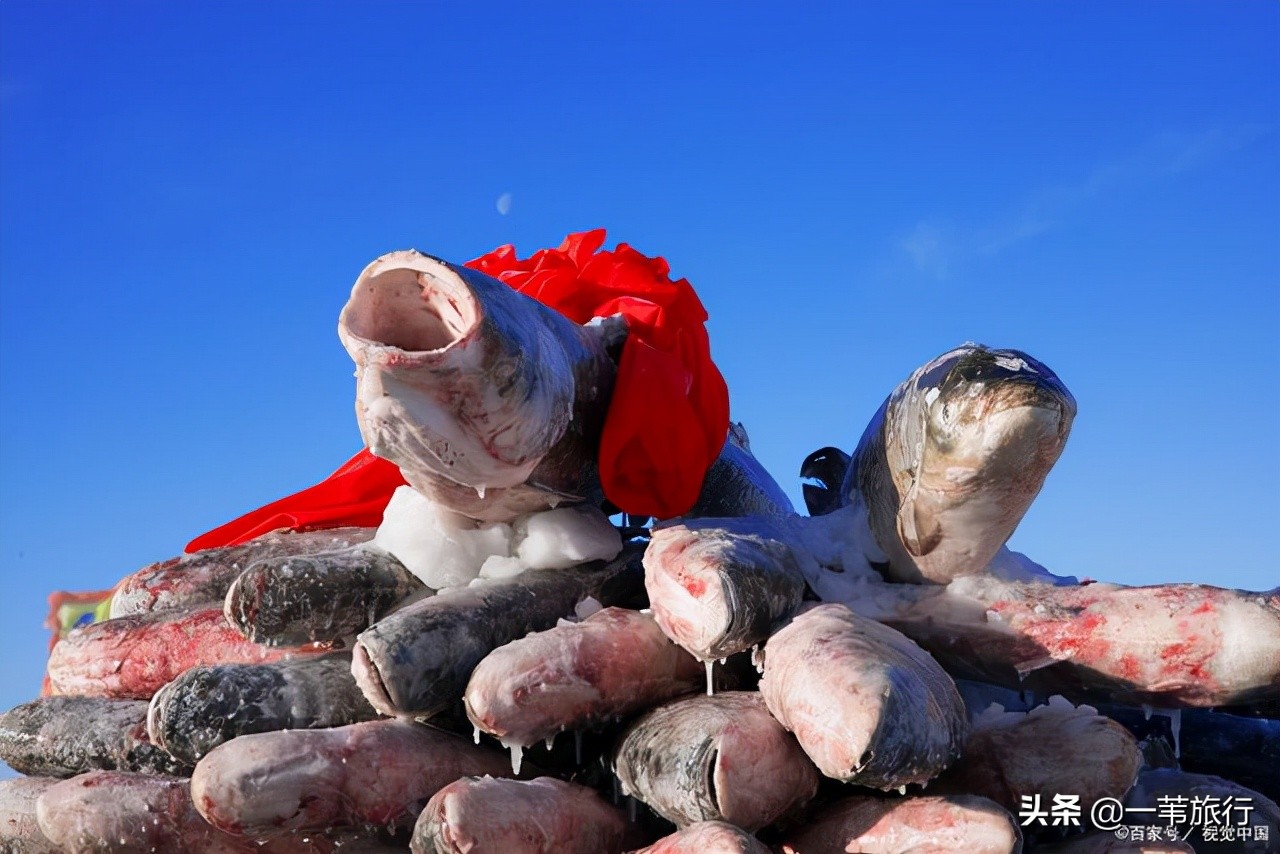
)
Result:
{"points": [[666, 422]]}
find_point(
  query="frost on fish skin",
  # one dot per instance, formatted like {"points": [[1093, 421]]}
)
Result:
{"points": [[204, 577], [135, 656], [707, 837], [715, 758], [65, 736], [518, 817], [323, 597], [719, 586], [116, 811], [919, 825], [18, 825], [867, 705], [1010, 755], [418, 659], [489, 402], [207, 706], [1169, 646], [955, 456], [377, 772], [576, 675]]}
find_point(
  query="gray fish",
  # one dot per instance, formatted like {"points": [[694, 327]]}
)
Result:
{"points": [[737, 485], [65, 736], [1057, 749], [867, 705], [377, 772], [719, 586], [923, 825], [715, 758], [204, 577], [207, 706], [418, 660], [19, 830], [479, 814], [1203, 741], [298, 599], [707, 837], [951, 461], [575, 675], [489, 402]]}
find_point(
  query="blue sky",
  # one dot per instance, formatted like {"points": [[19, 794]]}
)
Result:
{"points": [[188, 190]]}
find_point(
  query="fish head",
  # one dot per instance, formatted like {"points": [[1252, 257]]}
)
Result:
{"points": [[968, 440]]}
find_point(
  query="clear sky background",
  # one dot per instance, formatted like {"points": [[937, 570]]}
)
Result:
{"points": [[188, 190]]}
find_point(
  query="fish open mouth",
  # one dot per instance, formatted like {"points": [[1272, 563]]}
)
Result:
{"points": [[411, 302]]}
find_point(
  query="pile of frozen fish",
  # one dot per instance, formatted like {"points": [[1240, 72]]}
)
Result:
{"points": [[499, 668]]}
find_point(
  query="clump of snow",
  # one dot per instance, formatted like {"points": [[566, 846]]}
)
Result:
{"points": [[444, 549]]}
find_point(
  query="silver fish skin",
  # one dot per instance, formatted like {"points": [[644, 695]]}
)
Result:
{"points": [[297, 599], [66, 736], [207, 706], [19, 830], [867, 705], [1156, 786], [203, 577], [738, 485], [418, 660], [576, 675], [377, 772], [722, 757], [1010, 755], [919, 825], [129, 813], [478, 814], [719, 586], [489, 402], [955, 456], [707, 837]]}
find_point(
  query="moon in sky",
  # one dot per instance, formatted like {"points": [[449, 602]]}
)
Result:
{"points": [[504, 204]]}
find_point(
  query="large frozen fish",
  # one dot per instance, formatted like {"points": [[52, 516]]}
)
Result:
{"points": [[207, 706], [951, 461], [134, 656], [121, 812], [1056, 749], [867, 705], [489, 402], [720, 586], [715, 758], [65, 736], [297, 599], [1169, 646], [924, 825], [707, 837], [576, 675], [203, 578], [737, 485], [418, 659], [378, 772], [19, 830], [1228, 804], [475, 815]]}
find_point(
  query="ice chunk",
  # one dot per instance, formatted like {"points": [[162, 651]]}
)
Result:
{"points": [[441, 548], [567, 536]]}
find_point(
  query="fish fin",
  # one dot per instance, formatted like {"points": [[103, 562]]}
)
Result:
{"points": [[919, 532], [827, 467]]}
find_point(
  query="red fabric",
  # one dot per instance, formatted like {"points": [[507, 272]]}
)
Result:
{"points": [[666, 422]]}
